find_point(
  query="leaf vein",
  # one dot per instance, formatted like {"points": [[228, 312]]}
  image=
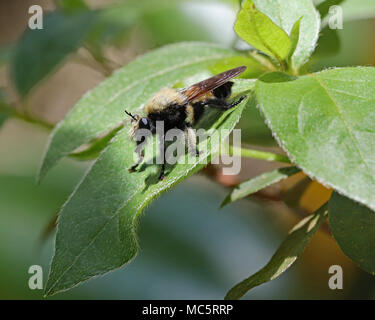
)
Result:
{"points": [[348, 128]]}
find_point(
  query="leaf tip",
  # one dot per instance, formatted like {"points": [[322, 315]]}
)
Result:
{"points": [[225, 202]]}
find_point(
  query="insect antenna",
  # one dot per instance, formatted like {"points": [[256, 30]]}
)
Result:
{"points": [[130, 115]]}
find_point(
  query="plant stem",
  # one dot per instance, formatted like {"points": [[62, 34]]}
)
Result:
{"points": [[262, 60], [101, 60], [256, 154], [34, 120], [13, 112]]}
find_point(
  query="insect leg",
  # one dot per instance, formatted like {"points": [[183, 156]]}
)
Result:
{"points": [[162, 150], [191, 141], [139, 151], [222, 104]]}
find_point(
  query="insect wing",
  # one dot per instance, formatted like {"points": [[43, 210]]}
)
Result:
{"points": [[198, 89]]}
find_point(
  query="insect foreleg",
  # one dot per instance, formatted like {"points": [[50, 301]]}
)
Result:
{"points": [[162, 152], [139, 151]]}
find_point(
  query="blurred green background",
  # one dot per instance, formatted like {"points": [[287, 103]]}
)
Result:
{"points": [[190, 249]]}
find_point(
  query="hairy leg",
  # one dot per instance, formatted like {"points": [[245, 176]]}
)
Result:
{"points": [[162, 152], [139, 151]]}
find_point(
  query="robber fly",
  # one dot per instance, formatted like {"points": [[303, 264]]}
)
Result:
{"points": [[181, 109]]}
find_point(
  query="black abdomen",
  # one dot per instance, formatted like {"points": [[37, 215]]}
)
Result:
{"points": [[224, 91], [221, 93]]}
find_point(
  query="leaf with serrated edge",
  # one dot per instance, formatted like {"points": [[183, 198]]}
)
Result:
{"points": [[325, 121], [260, 182], [96, 230], [353, 227], [285, 255], [102, 109]]}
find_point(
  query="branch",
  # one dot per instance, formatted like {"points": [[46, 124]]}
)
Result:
{"points": [[256, 154], [13, 112]]}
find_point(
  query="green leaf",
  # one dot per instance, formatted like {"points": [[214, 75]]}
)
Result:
{"points": [[163, 23], [258, 183], [259, 31], [353, 227], [158, 21], [70, 6], [325, 121], [96, 147], [97, 225], [39, 52], [253, 128], [329, 43], [253, 68], [285, 14], [241, 86], [102, 109], [112, 26], [252, 124], [285, 255], [294, 37], [323, 7]]}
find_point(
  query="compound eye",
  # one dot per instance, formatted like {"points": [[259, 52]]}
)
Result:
{"points": [[144, 122]]}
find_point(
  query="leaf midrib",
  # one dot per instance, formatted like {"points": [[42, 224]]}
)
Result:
{"points": [[101, 229], [139, 208]]}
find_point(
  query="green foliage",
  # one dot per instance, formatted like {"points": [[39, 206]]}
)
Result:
{"points": [[325, 121], [254, 69], [258, 183], [329, 43], [258, 30], [72, 5], [353, 227], [103, 108], [113, 24], [323, 7], [294, 37], [254, 130], [285, 14], [95, 147], [163, 24], [97, 225], [285, 255], [39, 52]]}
